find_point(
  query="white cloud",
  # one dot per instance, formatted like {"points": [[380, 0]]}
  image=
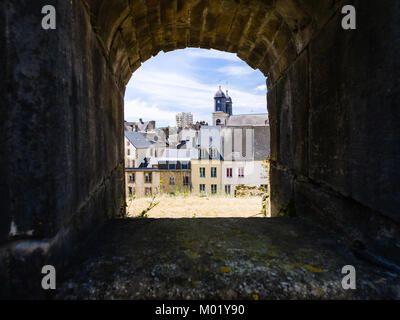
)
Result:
{"points": [[187, 93], [135, 109], [212, 54], [263, 87], [235, 70]]}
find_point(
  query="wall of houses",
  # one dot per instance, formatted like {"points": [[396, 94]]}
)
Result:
{"points": [[139, 185], [178, 178], [208, 181], [255, 174]]}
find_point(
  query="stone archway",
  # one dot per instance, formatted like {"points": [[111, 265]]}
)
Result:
{"points": [[334, 155]]}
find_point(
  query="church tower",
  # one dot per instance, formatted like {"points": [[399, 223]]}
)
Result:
{"points": [[220, 101], [228, 104], [222, 108]]}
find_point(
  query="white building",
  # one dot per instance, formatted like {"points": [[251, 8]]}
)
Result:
{"points": [[244, 151], [210, 143], [136, 149], [189, 137], [246, 173]]}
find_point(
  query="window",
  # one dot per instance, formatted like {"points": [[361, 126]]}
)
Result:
{"points": [[185, 165], [128, 152], [171, 181], [171, 165], [213, 153], [147, 178], [148, 191], [127, 143], [132, 177], [228, 189], [213, 172], [130, 191], [229, 172], [213, 189], [202, 172], [241, 173], [202, 188], [185, 180]]}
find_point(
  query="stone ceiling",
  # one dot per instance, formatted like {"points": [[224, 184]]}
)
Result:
{"points": [[267, 34]]}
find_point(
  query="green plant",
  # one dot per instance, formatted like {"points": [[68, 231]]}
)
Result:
{"points": [[153, 204], [287, 210], [264, 205]]}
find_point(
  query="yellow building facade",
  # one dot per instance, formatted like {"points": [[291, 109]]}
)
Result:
{"points": [[206, 177]]}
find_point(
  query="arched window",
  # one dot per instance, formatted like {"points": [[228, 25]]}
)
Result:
{"points": [[218, 122]]}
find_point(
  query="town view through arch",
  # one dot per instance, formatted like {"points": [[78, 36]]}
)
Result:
{"points": [[196, 137]]}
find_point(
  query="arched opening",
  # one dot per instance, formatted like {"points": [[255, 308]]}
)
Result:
{"points": [[333, 151], [181, 159]]}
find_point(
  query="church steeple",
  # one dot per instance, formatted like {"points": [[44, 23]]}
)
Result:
{"points": [[220, 101], [228, 104]]}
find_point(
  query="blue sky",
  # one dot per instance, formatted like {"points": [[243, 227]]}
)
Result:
{"points": [[186, 80]]}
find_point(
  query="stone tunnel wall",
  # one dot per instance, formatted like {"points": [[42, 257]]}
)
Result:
{"points": [[61, 143], [332, 105], [335, 133]]}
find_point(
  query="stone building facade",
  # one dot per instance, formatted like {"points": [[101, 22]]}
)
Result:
{"points": [[142, 182], [175, 181]]}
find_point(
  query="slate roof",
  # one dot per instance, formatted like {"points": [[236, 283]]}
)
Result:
{"points": [[219, 94], [137, 139], [228, 98]]}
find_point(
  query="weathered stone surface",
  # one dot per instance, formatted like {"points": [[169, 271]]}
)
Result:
{"points": [[62, 148], [334, 128], [260, 258], [281, 187]]}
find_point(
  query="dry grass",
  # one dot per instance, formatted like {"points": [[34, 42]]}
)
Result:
{"points": [[192, 206]]}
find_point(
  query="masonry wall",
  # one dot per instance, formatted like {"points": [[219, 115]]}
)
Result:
{"points": [[335, 134], [61, 125], [178, 186]]}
